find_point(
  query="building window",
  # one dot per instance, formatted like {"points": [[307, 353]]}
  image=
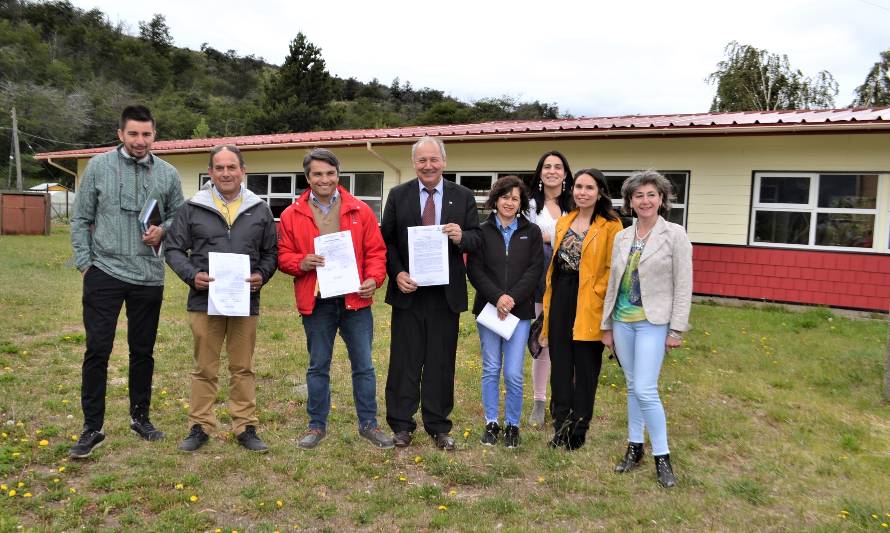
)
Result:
{"points": [[280, 189], [831, 210], [367, 187], [679, 181]]}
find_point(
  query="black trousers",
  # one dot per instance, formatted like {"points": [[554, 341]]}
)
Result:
{"points": [[575, 365], [103, 297], [422, 351]]}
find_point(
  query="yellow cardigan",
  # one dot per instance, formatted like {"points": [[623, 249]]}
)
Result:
{"points": [[593, 275]]}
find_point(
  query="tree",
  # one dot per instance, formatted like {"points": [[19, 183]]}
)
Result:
{"points": [[875, 90], [750, 79], [297, 96], [157, 34]]}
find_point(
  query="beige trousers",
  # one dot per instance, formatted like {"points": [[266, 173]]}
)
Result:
{"points": [[239, 332]]}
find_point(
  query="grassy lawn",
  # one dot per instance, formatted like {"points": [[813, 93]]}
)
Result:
{"points": [[775, 418]]}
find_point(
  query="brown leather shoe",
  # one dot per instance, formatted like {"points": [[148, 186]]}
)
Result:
{"points": [[401, 439], [444, 442]]}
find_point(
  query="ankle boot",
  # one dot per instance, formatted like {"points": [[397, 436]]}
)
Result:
{"points": [[561, 431], [663, 471], [632, 457]]}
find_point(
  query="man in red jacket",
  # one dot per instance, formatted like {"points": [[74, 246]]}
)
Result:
{"points": [[323, 209]]}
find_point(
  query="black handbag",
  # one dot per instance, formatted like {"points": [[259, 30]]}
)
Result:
{"points": [[534, 335]]}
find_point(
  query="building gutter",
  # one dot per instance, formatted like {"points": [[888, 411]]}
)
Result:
{"points": [[615, 133]]}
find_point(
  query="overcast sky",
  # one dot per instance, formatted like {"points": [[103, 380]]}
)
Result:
{"points": [[591, 58]]}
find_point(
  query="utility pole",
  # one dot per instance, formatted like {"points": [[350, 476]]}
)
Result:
{"points": [[15, 148]]}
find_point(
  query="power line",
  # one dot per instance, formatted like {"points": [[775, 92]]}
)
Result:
{"points": [[57, 141], [879, 6]]}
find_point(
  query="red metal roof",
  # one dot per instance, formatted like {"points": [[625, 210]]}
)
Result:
{"points": [[696, 124]]}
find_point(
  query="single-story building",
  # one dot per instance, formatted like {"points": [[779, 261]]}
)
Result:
{"points": [[785, 206]]}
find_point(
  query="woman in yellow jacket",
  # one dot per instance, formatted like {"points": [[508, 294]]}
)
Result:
{"points": [[573, 305]]}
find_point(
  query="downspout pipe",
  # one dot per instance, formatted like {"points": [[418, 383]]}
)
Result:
{"points": [[60, 167], [385, 161]]}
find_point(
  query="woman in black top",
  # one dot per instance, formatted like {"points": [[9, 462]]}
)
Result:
{"points": [[505, 272]]}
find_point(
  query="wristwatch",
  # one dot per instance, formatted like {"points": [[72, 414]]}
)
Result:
{"points": [[676, 334]]}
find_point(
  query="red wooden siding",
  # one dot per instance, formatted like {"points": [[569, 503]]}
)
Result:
{"points": [[838, 279]]}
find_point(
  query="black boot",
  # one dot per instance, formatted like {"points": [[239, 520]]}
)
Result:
{"points": [[663, 471], [561, 431], [632, 458]]}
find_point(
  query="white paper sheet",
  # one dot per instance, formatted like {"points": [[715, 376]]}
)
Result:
{"points": [[428, 255], [488, 317], [229, 292], [339, 275]]}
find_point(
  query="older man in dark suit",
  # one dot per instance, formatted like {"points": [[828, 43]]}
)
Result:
{"points": [[425, 319]]}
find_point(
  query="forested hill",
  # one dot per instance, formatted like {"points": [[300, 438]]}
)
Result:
{"points": [[69, 72]]}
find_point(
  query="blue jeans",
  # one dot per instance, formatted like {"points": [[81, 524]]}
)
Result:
{"points": [[357, 331], [494, 347], [640, 347]]}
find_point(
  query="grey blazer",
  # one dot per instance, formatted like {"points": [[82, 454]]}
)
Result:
{"points": [[665, 275]]}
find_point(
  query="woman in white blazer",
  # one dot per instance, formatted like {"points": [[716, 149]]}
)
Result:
{"points": [[646, 311]]}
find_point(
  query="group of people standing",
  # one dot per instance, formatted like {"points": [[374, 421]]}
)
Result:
{"points": [[556, 252], [559, 252]]}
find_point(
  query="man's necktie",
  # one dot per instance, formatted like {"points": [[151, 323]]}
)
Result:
{"points": [[428, 218]]}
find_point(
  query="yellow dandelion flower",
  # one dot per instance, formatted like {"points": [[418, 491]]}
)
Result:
{"points": [[376, 476], [21, 484], [234, 531], [4, 435], [164, 392], [540, 479], [4, 487], [16, 454], [179, 486], [193, 498], [27, 495], [279, 504], [38, 432], [73, 438], [884, 524], [72, 490], [25, 352], [403, 478], [418, 459], [62, 468], [12, 493], [217, 530], [56, 480], [466, 433], [443, 507], [452, 492], [845, 512], [333, 407], [43, 442], [874, 516], [65, 401]]}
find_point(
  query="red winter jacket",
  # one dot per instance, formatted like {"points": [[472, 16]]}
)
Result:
{"points": [[296, 235]]}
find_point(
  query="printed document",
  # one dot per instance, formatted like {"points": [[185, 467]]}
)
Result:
{"points": [[229, 292], [428, 255], [339, 275], [489, 318]]}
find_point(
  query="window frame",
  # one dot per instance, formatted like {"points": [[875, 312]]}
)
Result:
{"points": [[204, 177], [365, 198], [812, 208], [618, 203]]}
